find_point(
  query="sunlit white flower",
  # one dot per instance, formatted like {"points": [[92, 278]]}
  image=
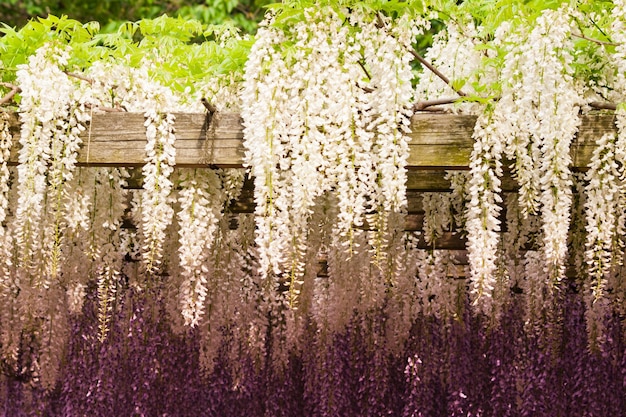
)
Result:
{"points": [[328, 114], [539, 113]]}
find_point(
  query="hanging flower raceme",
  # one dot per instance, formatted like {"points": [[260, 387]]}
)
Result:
{"points": [[618, 58], [202, 201], [325, 113], [141, 92], [603, 207], [105, 241], [539, 106], [388, 63], [121, 86], [605, 225], [52, 112], [482, 222], [157, 209], [9, 285], [6, 142]]}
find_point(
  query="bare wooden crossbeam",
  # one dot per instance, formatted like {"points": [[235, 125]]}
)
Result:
{"points": [[438, 141]]}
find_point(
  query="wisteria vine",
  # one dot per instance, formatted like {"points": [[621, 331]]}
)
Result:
{"points": [[325, 298]]}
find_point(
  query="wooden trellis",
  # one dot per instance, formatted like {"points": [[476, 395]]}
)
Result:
{"points": [[438, 142]]}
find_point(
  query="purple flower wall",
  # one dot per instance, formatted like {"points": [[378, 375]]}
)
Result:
{"points": [[458, 368]]}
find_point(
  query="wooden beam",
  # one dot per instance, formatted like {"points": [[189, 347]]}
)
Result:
{"points": [[438, 141]]}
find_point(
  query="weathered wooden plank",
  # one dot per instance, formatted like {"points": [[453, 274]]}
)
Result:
{"points": [[437, 142], [434, 180], [444, 140]]}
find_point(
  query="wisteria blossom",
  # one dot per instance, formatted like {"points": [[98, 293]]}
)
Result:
{"points": [[539, 107], [51, 124], [331, 120], [324, 277]]}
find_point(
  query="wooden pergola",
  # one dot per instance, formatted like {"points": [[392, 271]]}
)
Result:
{"points": [[438, 142]]}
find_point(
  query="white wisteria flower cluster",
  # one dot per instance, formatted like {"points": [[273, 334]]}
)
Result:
{"points": [[604, 208], [120, 86], [157, 103], [455, 54], [53, 114], [108, 195], [201, 203], [618, 58], [6, 142], [438, 216], [483, 209], [533, 123], [539, 106], [327, 113], [326, 99], [605, 225]]}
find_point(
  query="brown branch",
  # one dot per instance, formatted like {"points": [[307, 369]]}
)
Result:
{"points": [[598, 41], [105, 109], [9, 96], [381, 24], [426, 104], [79, 77], [207, 104], [109, 109], [369, 77], [423, 105], [602, 105], [435, 71]]}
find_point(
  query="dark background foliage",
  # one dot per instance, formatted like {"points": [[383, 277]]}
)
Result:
{"points": [[110, 13]]}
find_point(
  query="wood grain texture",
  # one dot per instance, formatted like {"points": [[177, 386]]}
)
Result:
{"points": [[438, 141]]}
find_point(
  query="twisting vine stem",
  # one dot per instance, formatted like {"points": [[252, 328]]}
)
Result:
{"points": [[9, 96]]}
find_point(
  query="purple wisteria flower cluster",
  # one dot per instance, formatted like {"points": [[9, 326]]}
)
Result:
{"points": [[455, 367]]}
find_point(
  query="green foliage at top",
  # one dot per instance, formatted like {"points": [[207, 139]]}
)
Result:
{"points": [[293, 9], [245, 14], [187, 51], [203, 38]]}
